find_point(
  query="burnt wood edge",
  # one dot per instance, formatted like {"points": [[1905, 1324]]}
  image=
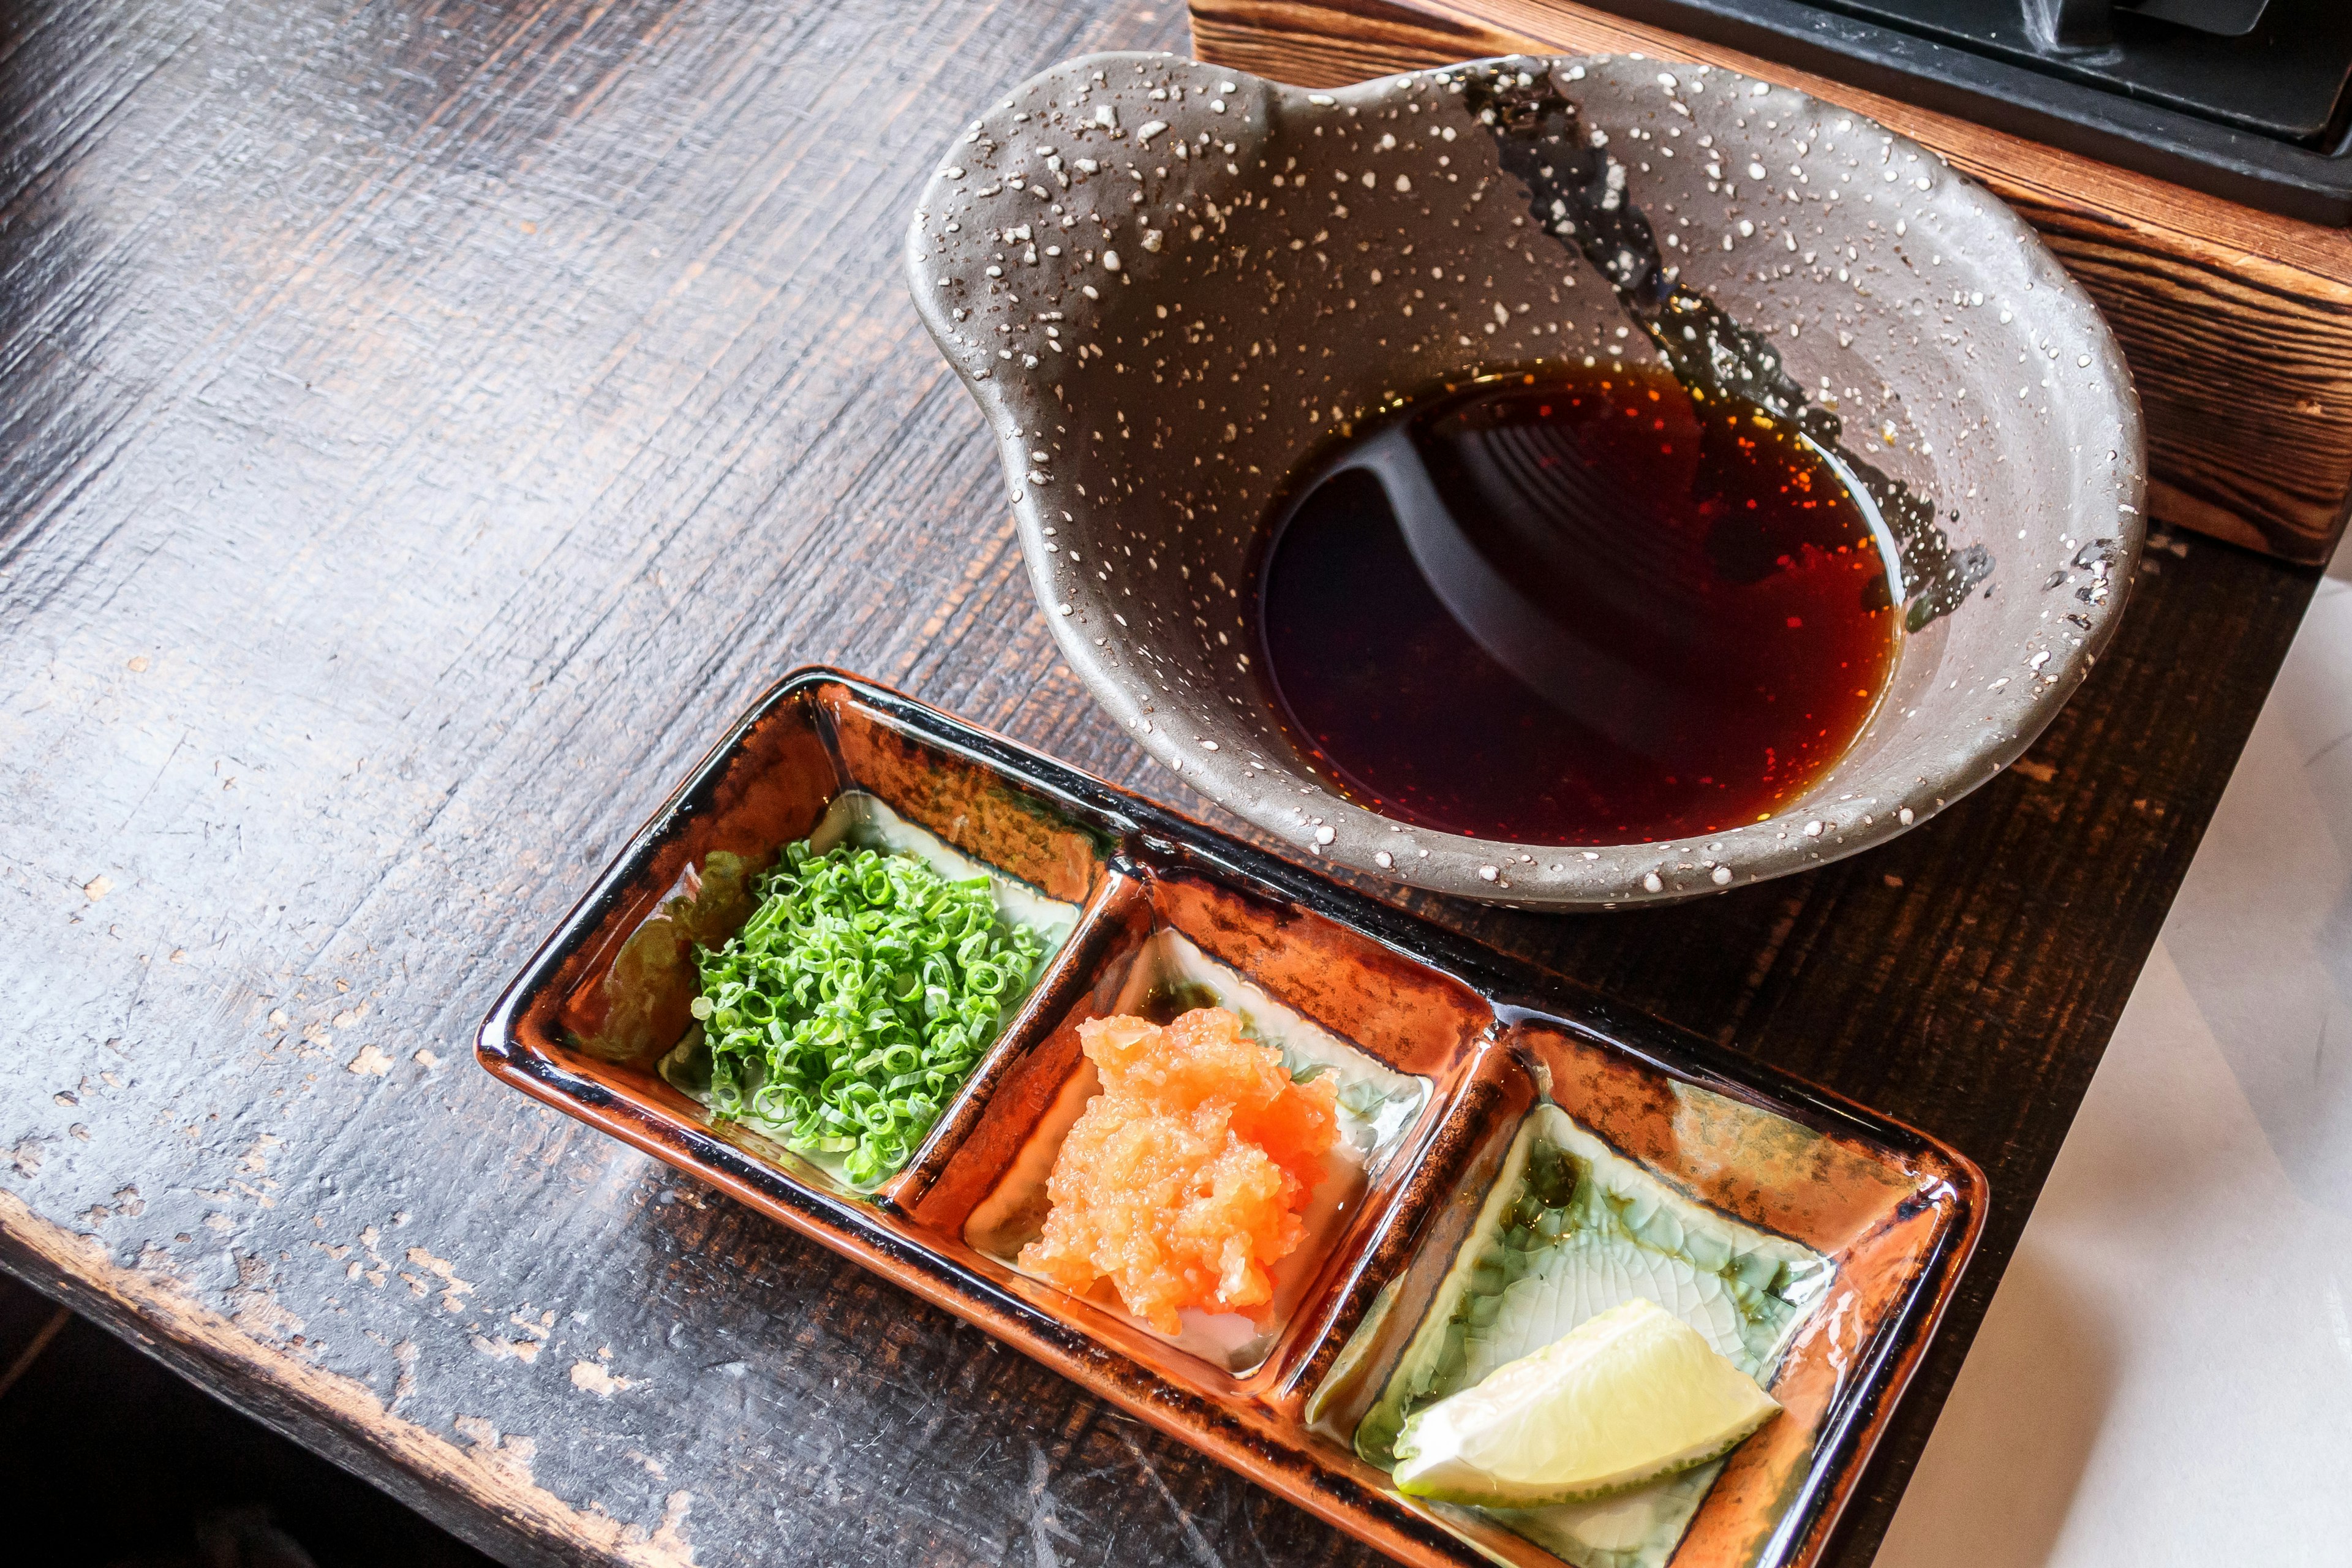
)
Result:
{"points": [[339, 1418], [1521, 992], [2219, 490]]}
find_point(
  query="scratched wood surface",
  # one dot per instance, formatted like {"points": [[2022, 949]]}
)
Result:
{"points": [[424, 428]]}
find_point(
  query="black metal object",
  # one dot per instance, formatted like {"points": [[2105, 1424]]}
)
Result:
{"points": [[2247, 98]]}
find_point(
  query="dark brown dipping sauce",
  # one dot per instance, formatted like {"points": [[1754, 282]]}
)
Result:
{"points": [[1576, 607]]}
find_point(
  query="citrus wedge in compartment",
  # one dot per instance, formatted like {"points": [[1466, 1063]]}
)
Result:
{"points": [[1633, 1396]]}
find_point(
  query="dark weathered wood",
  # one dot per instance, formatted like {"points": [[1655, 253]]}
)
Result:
{"points": [[2237, 323], [422, 431]]}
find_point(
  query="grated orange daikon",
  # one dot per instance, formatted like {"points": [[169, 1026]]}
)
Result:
{"points": [[1183, 1180]]}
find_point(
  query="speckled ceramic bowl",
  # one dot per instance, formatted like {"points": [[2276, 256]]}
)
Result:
{"points": [[1167, 284]]}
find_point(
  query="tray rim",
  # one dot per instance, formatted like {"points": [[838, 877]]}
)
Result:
{"points": [[1520, 993]]}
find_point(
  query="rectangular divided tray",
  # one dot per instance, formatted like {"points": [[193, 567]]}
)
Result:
{"points": [[1894, 1213]]}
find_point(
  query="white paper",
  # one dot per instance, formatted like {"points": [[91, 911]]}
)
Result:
{"points": [[2165, 1375]]}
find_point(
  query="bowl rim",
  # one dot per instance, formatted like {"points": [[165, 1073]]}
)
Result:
{"points": [[1587, 878]]}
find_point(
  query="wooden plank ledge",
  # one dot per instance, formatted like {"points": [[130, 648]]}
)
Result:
{"points": [[483, 1489]]}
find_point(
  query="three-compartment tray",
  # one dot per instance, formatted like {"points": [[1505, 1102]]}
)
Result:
{"points": [[1483, 1038]]}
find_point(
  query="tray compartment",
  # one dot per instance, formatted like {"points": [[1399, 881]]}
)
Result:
{"points": [[625, 991], [1395, 1032], [1881, 1212], [1879, 1217]]}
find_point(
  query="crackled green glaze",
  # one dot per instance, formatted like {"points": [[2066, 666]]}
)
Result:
{"points": [[1571, 1229]]}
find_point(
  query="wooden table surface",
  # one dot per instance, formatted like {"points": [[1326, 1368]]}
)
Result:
{"points": [[424, 428]]}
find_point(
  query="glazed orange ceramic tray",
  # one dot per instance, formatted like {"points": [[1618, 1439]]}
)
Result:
{"points": [[1816, 1240]]}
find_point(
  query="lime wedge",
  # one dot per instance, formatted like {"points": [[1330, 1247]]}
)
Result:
{"points": [[1631, 1396]]}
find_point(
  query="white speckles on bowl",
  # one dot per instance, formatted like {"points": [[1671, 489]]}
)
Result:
{"points": [[1167, 284]]}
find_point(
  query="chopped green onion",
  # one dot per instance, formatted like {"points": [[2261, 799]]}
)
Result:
{"points": [[855, 1000]]}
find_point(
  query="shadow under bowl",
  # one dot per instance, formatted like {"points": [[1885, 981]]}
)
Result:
{"points": [[1168, 285]]}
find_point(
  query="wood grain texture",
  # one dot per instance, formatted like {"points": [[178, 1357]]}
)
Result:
{"points": [[423, 430], [2237, 323]]}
